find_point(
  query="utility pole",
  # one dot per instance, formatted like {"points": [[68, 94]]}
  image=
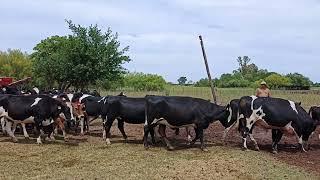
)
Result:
{"points": [[208, 71]]}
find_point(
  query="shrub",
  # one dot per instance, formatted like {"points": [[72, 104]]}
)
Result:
{"points": [[277, 81], [141, 81]]}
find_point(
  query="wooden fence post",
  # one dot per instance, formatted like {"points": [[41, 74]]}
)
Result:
{"points": [[208, 71]]}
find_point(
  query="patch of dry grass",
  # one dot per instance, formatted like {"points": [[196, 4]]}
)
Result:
{"points": [[92, 159]]}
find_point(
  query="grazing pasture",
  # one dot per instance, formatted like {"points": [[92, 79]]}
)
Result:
{"points": [[89, 157]]}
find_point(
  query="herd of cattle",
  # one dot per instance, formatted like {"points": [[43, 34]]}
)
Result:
{"points": [[51, 111]]}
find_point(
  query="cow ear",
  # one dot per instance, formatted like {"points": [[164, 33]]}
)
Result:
{"points": [[299, 103]]}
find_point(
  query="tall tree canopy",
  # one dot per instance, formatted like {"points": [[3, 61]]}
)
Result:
{"points": [[14, 63], [86, 56]]}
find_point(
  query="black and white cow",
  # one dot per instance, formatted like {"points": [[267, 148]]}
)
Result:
{"points": [[40, 109], [61, 97], [314, 113], [176, 112], [280, 115]]}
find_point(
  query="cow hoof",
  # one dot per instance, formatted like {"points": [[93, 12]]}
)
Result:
{"points": [[27, 138], [170, 148], [244, 149], [274, 151], [188, 143], [256, 148], [15, 140], [303, 150], [204, 149], [108, 141], [81, 134], [126, 140]]}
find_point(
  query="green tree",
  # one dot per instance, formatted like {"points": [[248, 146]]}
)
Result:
{"points": [[141, 81], [182, 80], [14, 63], [85, 57], [204, 82], [297, 79], [277, 81]]}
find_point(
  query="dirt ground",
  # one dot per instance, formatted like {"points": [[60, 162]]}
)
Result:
{"points": [[288, 152], [218, 159]]}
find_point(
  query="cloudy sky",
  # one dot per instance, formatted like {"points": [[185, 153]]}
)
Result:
{"points": [[279, 35]]}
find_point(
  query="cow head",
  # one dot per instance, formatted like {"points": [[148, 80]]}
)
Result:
{"points": [[314, 113], [243, 129], [79, 110], [248, 115], [122, 94], [65, 110]]}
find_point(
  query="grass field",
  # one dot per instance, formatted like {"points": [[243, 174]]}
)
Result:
{"points": [[89, 157], [308, 98]]}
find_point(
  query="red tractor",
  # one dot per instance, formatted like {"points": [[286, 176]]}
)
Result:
{"points": [[5, 81], [8, 82]]}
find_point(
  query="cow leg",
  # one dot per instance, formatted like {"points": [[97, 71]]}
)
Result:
{"points": [[256, 146], [189, 138], [302, 143], [14, 127], [103, 128], [203, 147], [25, 133], [3, 127], [82, 126], [9, 131], [152, 132], [162, 132], [107, 126], [86, 124], [62, 127], [121, 128], [197, 136], [39, 131], [146, 130], [40, 134], [177, 131], [276, 137], [226, 131]]}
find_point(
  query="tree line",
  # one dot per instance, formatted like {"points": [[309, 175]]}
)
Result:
{"points": [[249, 75]]}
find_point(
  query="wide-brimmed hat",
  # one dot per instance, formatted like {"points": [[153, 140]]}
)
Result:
{"points": [[263, 83]]}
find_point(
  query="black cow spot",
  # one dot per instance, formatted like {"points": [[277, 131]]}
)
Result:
{"points": [[251, 122], [259, 113]]}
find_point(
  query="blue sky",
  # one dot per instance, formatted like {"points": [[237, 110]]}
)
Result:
{"points": [[278, 35]]}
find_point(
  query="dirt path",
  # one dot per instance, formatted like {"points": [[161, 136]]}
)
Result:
{"points": [[288, 153]]}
